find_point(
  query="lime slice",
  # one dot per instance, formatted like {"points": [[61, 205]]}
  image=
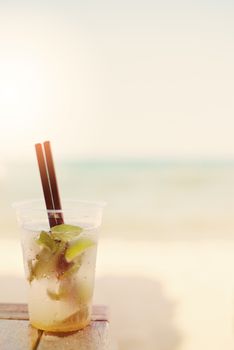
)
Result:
{"points": [[78, 247], [65, 232]]}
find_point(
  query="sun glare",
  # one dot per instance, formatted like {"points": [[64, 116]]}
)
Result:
{"points": [[20, 88]]}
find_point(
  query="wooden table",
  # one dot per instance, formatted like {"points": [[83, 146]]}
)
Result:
{"points": [[17, 334]]}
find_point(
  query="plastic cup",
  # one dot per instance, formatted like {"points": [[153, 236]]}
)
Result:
{"points": [[59, 262]]}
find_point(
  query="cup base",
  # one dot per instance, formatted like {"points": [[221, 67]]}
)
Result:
{"points": [[61, 329]]}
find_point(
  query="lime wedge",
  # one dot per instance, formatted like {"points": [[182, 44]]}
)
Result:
{"points": [[65, 232], [78, 247]]}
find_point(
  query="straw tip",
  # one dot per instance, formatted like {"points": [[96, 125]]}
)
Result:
{"points": [[46, 142], [38, 144]]}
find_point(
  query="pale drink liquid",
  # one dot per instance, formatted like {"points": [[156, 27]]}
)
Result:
{"points": [[60, 269]]}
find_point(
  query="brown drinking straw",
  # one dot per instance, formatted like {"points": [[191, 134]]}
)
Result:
{"points": [[49, 183], [53, 181]]}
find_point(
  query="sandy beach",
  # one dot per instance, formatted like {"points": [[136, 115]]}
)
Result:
{"points": [[165, 296]]}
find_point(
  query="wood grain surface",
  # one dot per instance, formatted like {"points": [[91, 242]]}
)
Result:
{"points": [[17, 334]]}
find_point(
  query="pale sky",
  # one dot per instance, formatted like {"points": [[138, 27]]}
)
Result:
{"points": [[117, 78]]}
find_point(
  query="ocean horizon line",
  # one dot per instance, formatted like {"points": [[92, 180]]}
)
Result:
{"points": [[134, 161]]}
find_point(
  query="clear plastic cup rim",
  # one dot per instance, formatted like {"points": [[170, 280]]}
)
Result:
{"points": [[28, 205]]}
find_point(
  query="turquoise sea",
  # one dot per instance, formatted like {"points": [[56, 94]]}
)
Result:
{"points": [[146, 200]]}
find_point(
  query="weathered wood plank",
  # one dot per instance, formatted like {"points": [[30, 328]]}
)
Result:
{"points": [[20, 312], [14, 335], [94, 337], [17, 334], [14, 311]]}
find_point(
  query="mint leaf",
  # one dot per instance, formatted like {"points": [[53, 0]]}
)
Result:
{"points": [[47, 241], [58, 255]]}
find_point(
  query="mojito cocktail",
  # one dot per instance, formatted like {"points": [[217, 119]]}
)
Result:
{"points": [[60, 263]]}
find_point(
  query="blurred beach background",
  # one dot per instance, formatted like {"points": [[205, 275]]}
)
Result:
{"points": [[148, 200], [136, 99]]}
